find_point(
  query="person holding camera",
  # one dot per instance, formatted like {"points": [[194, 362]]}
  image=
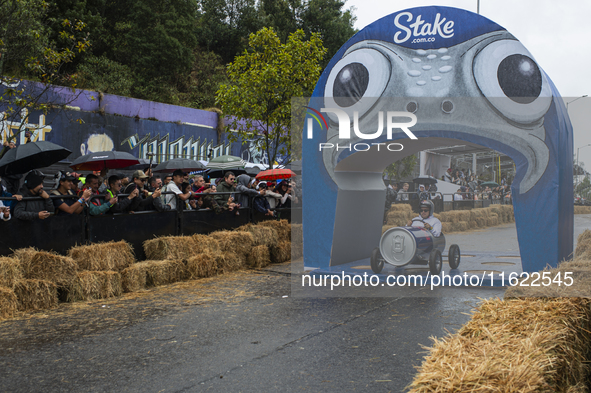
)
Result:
{"points": [[31, 210]]}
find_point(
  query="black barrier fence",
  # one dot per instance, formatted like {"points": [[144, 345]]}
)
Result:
{"points": [[61, 232], [441, 205]]}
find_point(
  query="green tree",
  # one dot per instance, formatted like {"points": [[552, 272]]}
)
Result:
{"points": [[223, 26], [401, 168], [27, 52], [334, 24], [263, 81]]}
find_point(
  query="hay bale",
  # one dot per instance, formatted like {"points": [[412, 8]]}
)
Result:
{"points": [[464, 215], [165, 272], [229, 261], [582, 209], [258, 257], [10, 272], [49, 266], [170, 247], [24, 255], [282, 227], [583, 248], [473, 224], [110, 256], [579, 269], [134, 278], [204, 243], [35, 294], [446, 227], [8, 303], [203, 265], [445, 217], [399, 218], [281, 252], [481, 222], [262, 235], [400, 207], [462, 226], [517, 345], [95, 285], [492, 220], [234, 241]]}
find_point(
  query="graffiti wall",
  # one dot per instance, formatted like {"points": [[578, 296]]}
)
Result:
{"points": [[94, 122]]}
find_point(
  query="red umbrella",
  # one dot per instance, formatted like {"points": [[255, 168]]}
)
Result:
{"points": [[275, 174]]}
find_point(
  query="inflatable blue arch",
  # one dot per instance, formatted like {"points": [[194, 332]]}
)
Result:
{"points": [[462, 77]]}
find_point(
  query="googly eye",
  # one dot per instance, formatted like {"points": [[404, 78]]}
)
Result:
{"points": [[357, 81], [509, 77]]}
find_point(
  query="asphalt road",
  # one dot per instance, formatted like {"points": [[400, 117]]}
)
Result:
{"points": [[244, 332]]}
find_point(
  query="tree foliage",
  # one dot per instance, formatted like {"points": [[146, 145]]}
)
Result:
{"points": [[171, 51], [263, 81], [400, 169], [27, 51]]}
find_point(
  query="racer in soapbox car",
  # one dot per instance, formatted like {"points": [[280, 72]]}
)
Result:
{"points": [[419, 243]]}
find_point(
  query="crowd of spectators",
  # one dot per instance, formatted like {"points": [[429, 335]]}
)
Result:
{"points": [[98, 194]]}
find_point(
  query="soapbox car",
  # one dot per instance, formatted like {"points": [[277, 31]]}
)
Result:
{"points": [[402, 246]]}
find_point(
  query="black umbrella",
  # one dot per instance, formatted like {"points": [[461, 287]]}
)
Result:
{"points": [[32, 155], [104, 160], [184, 164], [253, 171], [144, 164], [216, 173], [425, 180]]}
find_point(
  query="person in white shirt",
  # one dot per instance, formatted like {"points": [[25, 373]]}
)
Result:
{"points": [[178, 177], [426, 219]]}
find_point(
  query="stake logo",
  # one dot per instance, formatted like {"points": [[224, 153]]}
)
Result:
{"points": [[421, 29]]}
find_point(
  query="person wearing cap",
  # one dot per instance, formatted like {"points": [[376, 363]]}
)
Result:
{"points": [[426, 219], [31, 210], [178, 177], [146, 201], [123, 204], [67, 206]]}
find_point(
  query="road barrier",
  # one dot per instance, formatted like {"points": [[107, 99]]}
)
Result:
{"points": [[60, 233]]}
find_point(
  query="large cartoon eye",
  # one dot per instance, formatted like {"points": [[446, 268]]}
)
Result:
{"points": [[511, 80], [357, 81]]}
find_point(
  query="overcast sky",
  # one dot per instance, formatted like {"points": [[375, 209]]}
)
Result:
{"points": [[556, 33]]}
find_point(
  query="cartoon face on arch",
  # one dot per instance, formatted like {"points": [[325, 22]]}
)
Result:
{"points": [[488, 87]]}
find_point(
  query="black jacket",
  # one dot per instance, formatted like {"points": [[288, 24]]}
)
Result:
{"points": [[29, 210]]}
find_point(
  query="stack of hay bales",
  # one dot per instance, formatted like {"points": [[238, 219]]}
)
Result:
{"points": [[170, 247], [101, 265], [282, 251], [43, 274], [517, 345], [264, 237], [11, 272], [399, 215], [536, 340], [582, 209], [235, 247]]}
